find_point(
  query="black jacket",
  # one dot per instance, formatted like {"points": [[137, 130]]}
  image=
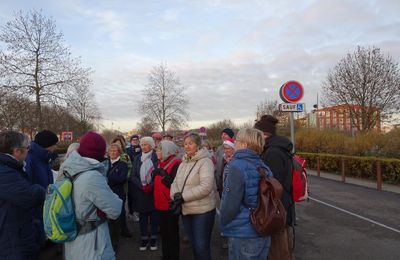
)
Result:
{"points": [[277, 156], [138, 200], [18, 198]]}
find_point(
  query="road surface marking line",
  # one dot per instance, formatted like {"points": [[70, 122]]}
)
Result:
{"points": [[356, 215]]}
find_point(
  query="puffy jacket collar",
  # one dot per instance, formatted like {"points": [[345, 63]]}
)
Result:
{"points": [[41, 153], [251, 156], [75, 163], [202, 153], [11, 162]]}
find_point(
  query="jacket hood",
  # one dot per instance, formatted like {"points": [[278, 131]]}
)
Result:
{"points": [[202, 153], [41, 153], [280, 142], [75, 164]]}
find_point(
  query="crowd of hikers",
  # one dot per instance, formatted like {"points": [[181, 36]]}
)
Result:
{"points": [[150, 179]]}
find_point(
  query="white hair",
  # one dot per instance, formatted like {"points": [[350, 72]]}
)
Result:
{"points": [[148, 140], [168, 148]]}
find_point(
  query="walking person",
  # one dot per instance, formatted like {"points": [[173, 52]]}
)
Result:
{"points": [[276, 155], [240, 195], [116, 177], [195, 187], [163, 178], [94, 201], [141, 193], [19, 238]]}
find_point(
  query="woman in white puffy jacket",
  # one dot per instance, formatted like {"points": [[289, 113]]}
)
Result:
{"points": [[199, 195]]}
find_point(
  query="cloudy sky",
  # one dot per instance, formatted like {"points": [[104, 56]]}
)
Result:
{"points": [[231, 55]]}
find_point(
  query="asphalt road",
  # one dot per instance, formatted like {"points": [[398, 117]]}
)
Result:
{"points": [[324, 232]]}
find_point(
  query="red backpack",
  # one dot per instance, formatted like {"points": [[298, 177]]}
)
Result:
{"points": [[299, 179]]}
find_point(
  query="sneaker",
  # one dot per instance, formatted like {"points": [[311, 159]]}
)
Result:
{"points": [[144, 244], [135, 217], [153, 244]]}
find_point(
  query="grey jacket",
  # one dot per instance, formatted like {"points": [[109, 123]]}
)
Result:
{"points": [[91, 189]]}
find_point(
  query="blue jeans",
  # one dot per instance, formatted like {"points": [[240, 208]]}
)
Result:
{"points": [[198, 228], [144, 222], [248, 248]]}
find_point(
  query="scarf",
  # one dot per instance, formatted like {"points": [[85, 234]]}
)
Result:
{"points": [[146, 168]]}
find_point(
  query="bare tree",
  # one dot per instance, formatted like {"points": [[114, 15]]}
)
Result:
{"points": [[36, 63], [146, 126], [368, 83], [82, 104], [164, 101], [267, 107]]}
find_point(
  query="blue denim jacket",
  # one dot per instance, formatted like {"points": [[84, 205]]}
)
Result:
{"points": [[240, 194]]}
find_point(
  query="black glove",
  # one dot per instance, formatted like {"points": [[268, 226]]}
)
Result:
{"points": [[178, 198], [167, 181]]}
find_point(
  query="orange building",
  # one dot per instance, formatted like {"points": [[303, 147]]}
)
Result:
{"points": [[338, 117]]}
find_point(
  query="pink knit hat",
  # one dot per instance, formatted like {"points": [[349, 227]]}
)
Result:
{"points": [[229, 142], [92, 145]]}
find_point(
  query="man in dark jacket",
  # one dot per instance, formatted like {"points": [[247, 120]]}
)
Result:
{"points": [[18, 197], [277, 156], [38, 167]]}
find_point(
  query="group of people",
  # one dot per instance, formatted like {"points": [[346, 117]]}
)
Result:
{"points": [[148, 177]]}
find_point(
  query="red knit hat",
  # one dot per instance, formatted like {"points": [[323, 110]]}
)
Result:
{"points": [[92, 145]]}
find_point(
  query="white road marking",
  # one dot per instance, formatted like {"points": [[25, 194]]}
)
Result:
{"points": [[356, 215]]}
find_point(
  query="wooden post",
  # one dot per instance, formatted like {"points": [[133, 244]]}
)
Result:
{"points": [[378, 175], [343, 170], [318, 167]]}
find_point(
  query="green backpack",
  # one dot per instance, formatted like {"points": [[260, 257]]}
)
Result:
{"points": [[60, 224]]}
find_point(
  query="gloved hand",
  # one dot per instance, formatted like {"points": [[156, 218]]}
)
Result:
{"points": [[167, 181], [158, 171], [147, 188], [178, 197]]}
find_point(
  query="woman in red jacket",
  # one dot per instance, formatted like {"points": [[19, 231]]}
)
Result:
{"points": [[163, 178]]}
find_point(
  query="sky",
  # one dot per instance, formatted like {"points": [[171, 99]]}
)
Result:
{"points": [[230, 55]]}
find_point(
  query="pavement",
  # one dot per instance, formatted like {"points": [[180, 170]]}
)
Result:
{"points": [[356, 181], [347, 221]]}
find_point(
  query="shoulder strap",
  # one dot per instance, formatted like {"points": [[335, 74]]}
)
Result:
{"points": [[69, 176], [73, 179], [187, 176]]}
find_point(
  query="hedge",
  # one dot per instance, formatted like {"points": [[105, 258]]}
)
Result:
{"points": [[359, 167]]}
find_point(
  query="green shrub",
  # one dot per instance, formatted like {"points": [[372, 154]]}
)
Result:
{"points": [[331, 141]]}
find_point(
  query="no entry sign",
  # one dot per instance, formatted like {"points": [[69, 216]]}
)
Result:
{"points": [[291, 91]]}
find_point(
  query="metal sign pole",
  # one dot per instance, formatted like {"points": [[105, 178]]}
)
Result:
{"points": [[291, 118]]}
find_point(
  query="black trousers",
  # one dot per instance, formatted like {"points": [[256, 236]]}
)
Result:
{"points": [[169, 229]]}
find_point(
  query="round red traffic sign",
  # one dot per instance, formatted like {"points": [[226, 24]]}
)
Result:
{"points": [[291, 91]]}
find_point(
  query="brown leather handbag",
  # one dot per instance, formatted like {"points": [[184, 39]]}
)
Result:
{"points": [[270, 216]]}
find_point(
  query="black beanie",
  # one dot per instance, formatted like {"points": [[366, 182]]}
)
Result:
{"points": [[267, 124], [46, 138], [229, 132]]}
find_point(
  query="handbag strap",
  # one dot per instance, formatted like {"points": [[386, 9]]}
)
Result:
{"points": [[187, 176]]}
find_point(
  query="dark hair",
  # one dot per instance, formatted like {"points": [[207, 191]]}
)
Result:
{"points": [[12, 139], [195, 137]]}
